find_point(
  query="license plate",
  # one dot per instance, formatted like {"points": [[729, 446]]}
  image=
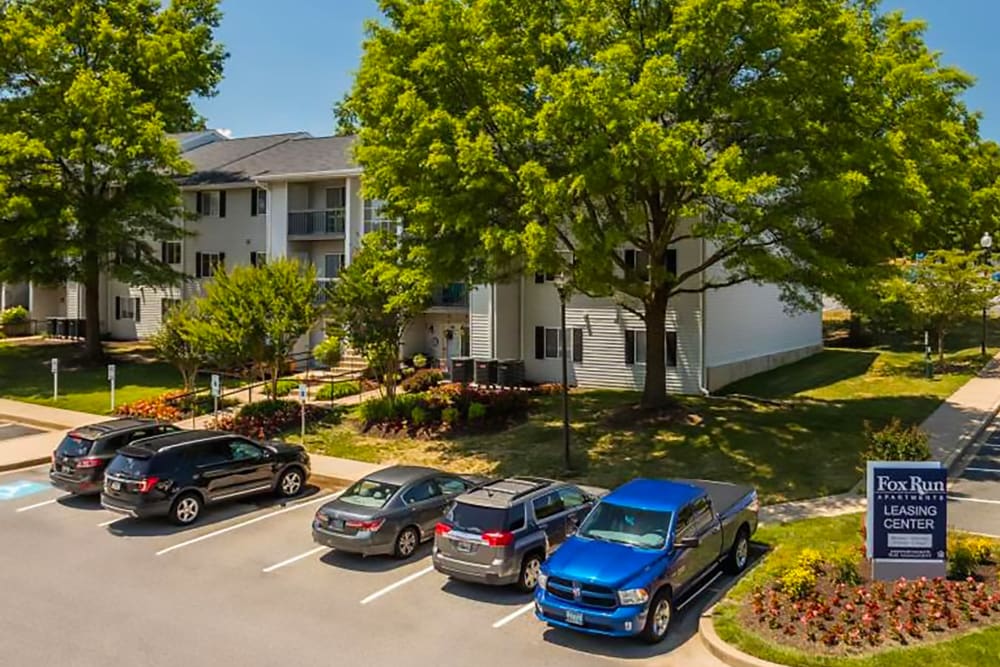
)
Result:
{"points": [[67, 469], [464, 547], [337, 524], [116, 486], [574, 617]]}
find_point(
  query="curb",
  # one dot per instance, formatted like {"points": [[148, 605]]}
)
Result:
{"points": [[958, 454], [28, 421], [24, 464], [726, 653]]}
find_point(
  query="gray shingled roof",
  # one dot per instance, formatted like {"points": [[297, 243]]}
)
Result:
{"points": [[242, 160]]}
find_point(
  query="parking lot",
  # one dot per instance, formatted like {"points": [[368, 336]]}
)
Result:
{"points": [[974, 498], [10, 430], [247, 586]]}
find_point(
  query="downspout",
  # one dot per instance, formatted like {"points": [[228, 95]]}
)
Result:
{"points": [[493, 321], [520, 321], [703, 371]]}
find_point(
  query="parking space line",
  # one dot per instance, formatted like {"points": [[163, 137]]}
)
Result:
{"points": [[974, 500], [108, 523], [402, 582], [329, 496], [982, 469], [37, 505], [699, 591], [15, 471], [294, 559], [510, 617]]}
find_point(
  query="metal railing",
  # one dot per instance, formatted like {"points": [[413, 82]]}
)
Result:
{"points": [[451, 296], [314, 223]]}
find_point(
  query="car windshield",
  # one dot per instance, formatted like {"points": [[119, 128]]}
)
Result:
{"points": [[645, 529], [74, 445], [369, 493]]}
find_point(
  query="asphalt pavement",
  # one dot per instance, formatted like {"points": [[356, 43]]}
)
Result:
{"points": [[11, 430], [974, 497], [247, 586]]}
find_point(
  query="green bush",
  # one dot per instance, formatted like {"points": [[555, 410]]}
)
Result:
{"points": [[421, 380], [267, 409], [285, 387], [419, 361], [961, 561], [329, 352], [844, 568], [418, 416], [338, 390], [375, 411], [982, 549], [895, 442], [450, 416], [798, 582], [14, 315], [811, 559], [477, 411]]}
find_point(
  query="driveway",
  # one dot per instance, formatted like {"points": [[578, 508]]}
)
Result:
{"points": [[974, 498]]}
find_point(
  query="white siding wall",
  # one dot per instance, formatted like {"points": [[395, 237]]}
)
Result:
{"points": [[748, 321], [47, 301]]}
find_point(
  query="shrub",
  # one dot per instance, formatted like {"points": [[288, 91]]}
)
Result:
{"points": [[421, 380], [419, 361], [895, 442], [450, 416], [266, 419], [477, 411], [418, 416], [798, 582], [285, 387], [982, 549], [961, 561], [14, 315], [811, 559], [548, 389], [375, 411], [337, 390], [844, 568], [329, 352], [164, 408]]}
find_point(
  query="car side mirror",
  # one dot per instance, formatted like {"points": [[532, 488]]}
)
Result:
{"points": [[688, 542]]}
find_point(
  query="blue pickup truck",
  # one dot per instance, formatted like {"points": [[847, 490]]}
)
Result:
{"points": [[641, 549]]}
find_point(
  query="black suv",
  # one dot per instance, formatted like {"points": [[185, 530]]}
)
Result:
{"points": [[177, 474], [500, 533], [79, 462]]}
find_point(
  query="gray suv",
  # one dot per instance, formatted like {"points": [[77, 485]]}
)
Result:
{"points": [[500, 533]]}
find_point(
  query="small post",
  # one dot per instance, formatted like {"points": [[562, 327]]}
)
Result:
{"points": [[55, 379], [303, 397], [928, 364], [216, 387], [111, 378]]}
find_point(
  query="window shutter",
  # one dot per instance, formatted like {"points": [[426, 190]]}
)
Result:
{"points": [[630, 259], [118, 307], [253, 256], [253, 202], [197, 265], [578, 345], [138, 314], [539, 278], [163, 251], [539, 342], [629, 348], [222, 203], [671, 343], [199, 207], [671, 261]]}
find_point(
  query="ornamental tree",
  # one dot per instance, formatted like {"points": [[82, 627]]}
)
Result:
{"points": [[375, 298], [88, 91], [799, 140], [179, 344]]}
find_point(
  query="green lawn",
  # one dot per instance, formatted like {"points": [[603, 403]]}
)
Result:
{"points": [[795, 432], [787, 540], [25, 376]]}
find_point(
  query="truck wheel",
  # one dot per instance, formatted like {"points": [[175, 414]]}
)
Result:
{"points": [[739, 554], [658, 618]]}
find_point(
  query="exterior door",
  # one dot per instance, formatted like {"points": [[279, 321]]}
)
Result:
{"points": [[215, 473], [575, 508], [550, 517], [425, 503], [250, 467]]}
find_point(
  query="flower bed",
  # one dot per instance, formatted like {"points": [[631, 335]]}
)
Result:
{"points": [[267, 419], [827, 605], [171, 407]]}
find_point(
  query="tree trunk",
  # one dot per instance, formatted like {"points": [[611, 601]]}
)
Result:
{"points": [[654, 391], [855, 331], [940, 345], [92, 310]]}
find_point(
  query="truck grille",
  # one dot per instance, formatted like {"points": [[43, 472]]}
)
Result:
{"points": [[589, 595]]}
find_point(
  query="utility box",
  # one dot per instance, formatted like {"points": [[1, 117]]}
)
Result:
{"points": [[462, 370], [486, 372], [510, 372]]}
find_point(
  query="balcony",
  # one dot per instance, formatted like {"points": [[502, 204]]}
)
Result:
{"points": [[318, 224], [325, 284], [450, 297]]}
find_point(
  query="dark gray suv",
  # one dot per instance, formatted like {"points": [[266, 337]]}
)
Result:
{"points": [[500, 533]]}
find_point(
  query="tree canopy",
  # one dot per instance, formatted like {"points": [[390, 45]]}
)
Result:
{"points": [[386, 285], [88, 91], [800, 140]]}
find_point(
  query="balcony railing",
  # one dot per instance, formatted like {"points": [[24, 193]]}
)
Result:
{"points": [[324, 289], [316, 223], [450, 296]]}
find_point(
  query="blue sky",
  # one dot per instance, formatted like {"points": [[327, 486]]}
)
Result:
{"points": [[291, 60]]}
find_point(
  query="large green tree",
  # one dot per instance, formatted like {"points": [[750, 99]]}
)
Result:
{"points": [[375, 298], [799, 140], [252, 317], [88, 91]]}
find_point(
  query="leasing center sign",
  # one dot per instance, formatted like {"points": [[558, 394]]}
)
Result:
{"points": [[907, 518]]}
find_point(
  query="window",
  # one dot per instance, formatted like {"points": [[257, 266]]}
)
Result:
{"points": [[375, 217], [258, 202], [635, 347], [637, 262], [548, 343], [170, 252], [548, 505], [703, 517], [544, 277], [241, 450], [571, 497], [477, 518], [127, 308], [671, 349], [369, 493], [336, 198], [450, 486], [332, 265], [258, 259], [206, 263], [166, 305], [212, 203], [644, 529], [422, 491], [210, 453]]}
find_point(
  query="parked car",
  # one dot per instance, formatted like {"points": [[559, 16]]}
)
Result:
{"points": [[390, 511], [177, 474], [79, 462], [645, 546], [500, 533]]}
